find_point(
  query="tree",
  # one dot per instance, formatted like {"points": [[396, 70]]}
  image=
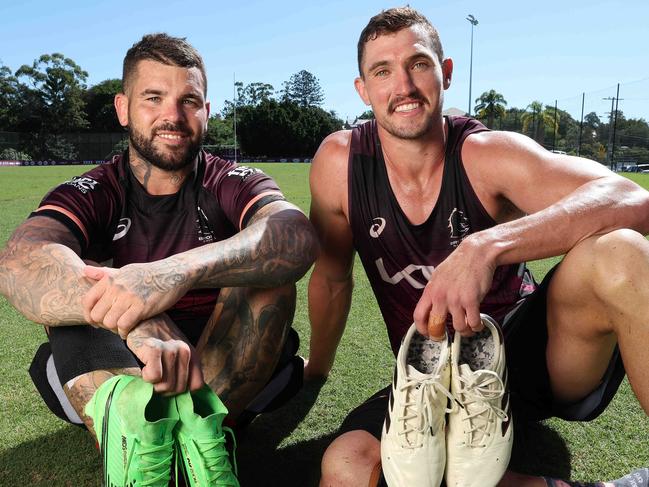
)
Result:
{"points": [[304, 89], [252, 94], [10, 100], [490, 105], [366, 115], [220, 132], [284, 129], [538, 118], [56, 84], [100, 108]]}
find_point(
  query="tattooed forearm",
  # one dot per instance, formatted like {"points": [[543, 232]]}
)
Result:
{"points": [[273, 250], [41, 274]]}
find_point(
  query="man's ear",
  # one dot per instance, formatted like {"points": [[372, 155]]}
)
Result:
{"points": [[359, 84], [447, 72], [121, 107]]}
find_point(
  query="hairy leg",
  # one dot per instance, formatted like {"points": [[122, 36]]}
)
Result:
{"points": [[242, 342], [81, 389], [598, 297]]}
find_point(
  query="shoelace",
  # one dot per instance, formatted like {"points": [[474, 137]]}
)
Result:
{"points": [[419, 409], [216, 458], [479, 397], [155, 463]]}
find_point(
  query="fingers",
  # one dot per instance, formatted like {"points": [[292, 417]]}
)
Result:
{"points": [[171, 367], [94, 273], [436, 326]]}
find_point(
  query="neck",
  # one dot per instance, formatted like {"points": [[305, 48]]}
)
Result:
{"points": [[418, 158], [154, 180]]}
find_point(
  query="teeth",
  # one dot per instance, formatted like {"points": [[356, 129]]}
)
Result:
{"points": [[406, 107], [170, 136]]}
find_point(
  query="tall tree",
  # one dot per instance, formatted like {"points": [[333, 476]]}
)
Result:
{"points": [[57, 83], [536, 119], [100, 108], [304, 89], [284, 129], [490, 105], [10, 100]]}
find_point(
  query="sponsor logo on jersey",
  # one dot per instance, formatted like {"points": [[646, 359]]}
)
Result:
{"points": [[82, 183], [377, 227], [122, 228], [205, 233], [426, 273], [459, 227], [243, 172]]}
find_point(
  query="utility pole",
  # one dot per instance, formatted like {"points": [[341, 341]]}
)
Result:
{"points": [[234, 98], [610, 149]]}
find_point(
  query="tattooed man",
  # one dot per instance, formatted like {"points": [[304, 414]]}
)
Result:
{"points": [[198, 255]]}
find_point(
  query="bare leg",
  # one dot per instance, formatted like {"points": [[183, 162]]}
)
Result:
{"points": [[242, 342], [81, 389], [598, 297], [350, 460]]}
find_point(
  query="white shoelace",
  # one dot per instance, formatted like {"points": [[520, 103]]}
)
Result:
{"points": [[419, 411], [480, 392]]}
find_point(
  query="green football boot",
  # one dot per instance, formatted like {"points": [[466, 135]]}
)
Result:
{"points": [[200, 440], [134, 430]]}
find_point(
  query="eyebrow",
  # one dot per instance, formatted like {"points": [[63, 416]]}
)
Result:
{"points": [[419, 55], [150, 91]]}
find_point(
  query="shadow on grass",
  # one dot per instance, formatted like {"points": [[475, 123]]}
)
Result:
{"points": [[539, 450], [66, 457], [262, 464]]}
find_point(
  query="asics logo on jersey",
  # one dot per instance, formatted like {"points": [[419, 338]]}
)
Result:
{"points": [[426, 272], [377, 227], [122, 228]]}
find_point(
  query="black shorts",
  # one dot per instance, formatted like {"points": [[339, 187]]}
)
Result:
{"points": [[526, 337]]}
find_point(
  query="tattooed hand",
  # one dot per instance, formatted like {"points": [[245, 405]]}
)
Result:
{"points": [[171, 364], [124, 297]]}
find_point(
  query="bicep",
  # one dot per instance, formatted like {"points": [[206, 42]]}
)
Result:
{"points": [[42, 230], [513, 167]]}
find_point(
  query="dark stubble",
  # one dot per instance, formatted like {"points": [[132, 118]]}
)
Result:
{"points": [[171, 160]]}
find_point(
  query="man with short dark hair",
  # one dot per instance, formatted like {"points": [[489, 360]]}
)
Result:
{"points": [[444, 213], [201, 258]]}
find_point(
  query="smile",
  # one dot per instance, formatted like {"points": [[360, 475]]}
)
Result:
{"points": [[406, 107], [170, 136]]}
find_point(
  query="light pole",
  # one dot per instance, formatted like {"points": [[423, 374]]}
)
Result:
{"points": [[473, 22]]}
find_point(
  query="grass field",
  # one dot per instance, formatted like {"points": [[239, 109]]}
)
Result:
{"points": [[283, 448]]}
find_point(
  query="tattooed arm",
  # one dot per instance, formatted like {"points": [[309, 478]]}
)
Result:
{"points": [[277, 247], [41, 273]]}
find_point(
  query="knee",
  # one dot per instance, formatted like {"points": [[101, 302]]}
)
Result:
{"points": [[618, 258], [350, 459]]}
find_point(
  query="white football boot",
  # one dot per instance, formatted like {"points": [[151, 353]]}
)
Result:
{"points": [[480, 431], [413, 450]]}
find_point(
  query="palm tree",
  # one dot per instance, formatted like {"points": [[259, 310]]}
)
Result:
{"points": [[490, 105], [538, 118]]}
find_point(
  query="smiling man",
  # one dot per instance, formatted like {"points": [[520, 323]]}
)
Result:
{"points": [[200, 255], [443, 214]]}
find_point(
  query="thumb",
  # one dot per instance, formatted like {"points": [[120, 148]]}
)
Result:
{"points": [[94, 273]]}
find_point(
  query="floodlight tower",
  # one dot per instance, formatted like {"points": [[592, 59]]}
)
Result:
{"points": [[473, 22]]}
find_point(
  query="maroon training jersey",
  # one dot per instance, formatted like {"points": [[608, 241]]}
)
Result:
{"points": [[398, 256], [115, 219]]}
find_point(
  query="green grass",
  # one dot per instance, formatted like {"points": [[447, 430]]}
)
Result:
{"points": [[282, 448]]}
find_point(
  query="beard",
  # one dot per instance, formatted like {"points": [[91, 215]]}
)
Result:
{"points": [[170, 160], [408, 129]]}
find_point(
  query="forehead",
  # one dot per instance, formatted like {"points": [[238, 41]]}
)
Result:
{"points": [[407, 42], [149, 74]]}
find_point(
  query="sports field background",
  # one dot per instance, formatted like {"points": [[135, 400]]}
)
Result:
{"points": [[283, 448]]}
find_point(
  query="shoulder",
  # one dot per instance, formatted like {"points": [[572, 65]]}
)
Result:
{"points": [[328, 176]]}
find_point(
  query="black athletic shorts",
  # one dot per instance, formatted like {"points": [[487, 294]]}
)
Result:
{"points": [[526, 337]]}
